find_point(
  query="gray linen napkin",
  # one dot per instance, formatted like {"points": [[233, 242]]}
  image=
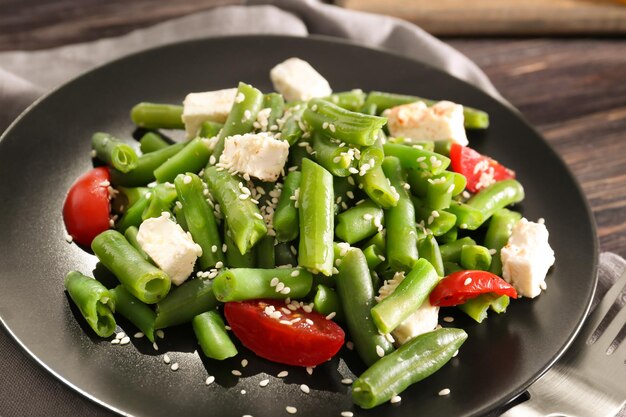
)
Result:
{"points": [[25, 387]]}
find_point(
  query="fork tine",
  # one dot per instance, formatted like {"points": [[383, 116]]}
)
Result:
{"points": [[607, 308], [612, 332]]}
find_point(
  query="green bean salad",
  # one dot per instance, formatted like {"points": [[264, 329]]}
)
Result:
{"points": [[295, 222]]}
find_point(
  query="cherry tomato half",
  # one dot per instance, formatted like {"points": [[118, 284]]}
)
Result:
{"points": [[460, 286], [261, 326], [479, 170], [87, 208]]}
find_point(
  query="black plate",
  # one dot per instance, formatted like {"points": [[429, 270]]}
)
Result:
{"points": [[49, 146]]}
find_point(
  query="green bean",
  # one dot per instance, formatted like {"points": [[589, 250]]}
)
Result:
{"points": [[131, 235], [438, 222], [450, 267], [212, 336], [316, 218], [113, 151], [151, 142], [285, 254], [292, 124], [359, 222], [335, 158], [379, 240], [498, 233], [234, 258], [428, 249], [376, 185], [500, 304], [242, 215], [439, 192], [347, 126], [496, 196], [285, 219], [400, 222], [474, 118], [374, 256], [242, 116], [209, 129], [132, 215], [475, 257], [200, 219], [157, 116], [345, 190], [450, 236], [352, 100], [134, 311], [414, 158], [127, 196], [467, 217], [143, 173], [265, 253], [139, 277], [443, 147], [186, 301], [191, 158], [276, 103], [415, 360], [161, 198], [326, 301], [370, 109], [406, 298], [418, 180], [477, 307], [372, 156], [179, 216], [451, 252], [238, 284], [425, 145], [95, 302], [355, 290]]}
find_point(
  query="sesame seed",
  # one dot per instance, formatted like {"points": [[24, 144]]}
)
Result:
{"points": [[347, 414], [264, 382], [309, 322], [155, 346], [325, 125], [331, 315], [187, 179], [244, 363], [243, 391], [210, 379], [309, 370], [280, 286], [492, 251], [120, 335], [240, 97], [69, 238], [468, 281], [160, 334], [346, 381], [166, 359], [214, 248], [448, 319], [258, 216], [212, 160], [125, 340], [115, 341], [138, 335], [285, 290], [350, 195], [455, 353], [445, 391], [224, 247], [235, 372], [174, 366], [349, 345], [219, 264], [305, 388], [395, 399], [295, 273], [291, 410], [282, 374], [285, 322], [380, 351], [353, 170]]}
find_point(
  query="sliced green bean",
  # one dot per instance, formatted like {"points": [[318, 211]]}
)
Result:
{"points": [[184, 302], [276, 103], [242, 215], [157, 116], [477, 307], [212, 336], [400, 221], [265, 253], [439, 192], [192, 158], [285, 253], [347, 126], [200, 220], [113, 151], [406, 298], [292, 125], [151, 142], [285, 219], [352, 100], [450, 236], [234, 258], [450, 267], [475, 257], [359, 222], [345, 190], [316, 218], [377, 186], [374, 256], [143, 173], [133, 214], [498, 233], [209, 129], [415, 360], [428, 249], [238, 284], [415, 158], [134, 311], [451, 252], [496, 196], [94, 301], [355, 290], [335, 158], [142, 279], [326, 301], [467, 217], [161, 198], [438, 222], [372, 156], [131, 235]]}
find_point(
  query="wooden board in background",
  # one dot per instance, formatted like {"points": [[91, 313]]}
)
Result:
{"points": [[504, 17]]}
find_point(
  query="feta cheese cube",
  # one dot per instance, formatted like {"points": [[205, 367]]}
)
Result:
{"points": [[207, 106], [258, 155], [416, 121], [297, 80], [526, 258], [173, 250]]}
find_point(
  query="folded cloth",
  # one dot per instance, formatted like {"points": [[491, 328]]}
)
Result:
{"points": [[25, 75], [27, 389]]}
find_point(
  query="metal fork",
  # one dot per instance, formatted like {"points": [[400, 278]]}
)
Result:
{"points": [[590, 378]]}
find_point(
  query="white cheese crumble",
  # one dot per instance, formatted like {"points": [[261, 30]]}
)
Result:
{"points": [[206, 106], [297, 80], [258, 155], [173, 250], [423, 320], [526, 258], [416, 121]]}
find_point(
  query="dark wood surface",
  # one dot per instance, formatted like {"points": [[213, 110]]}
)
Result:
{"points": [[572, 90]]}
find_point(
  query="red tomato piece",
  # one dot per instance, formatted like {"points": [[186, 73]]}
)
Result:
{"points": [[87, 207], [479, 170], [300, 343], [460, 286]]}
